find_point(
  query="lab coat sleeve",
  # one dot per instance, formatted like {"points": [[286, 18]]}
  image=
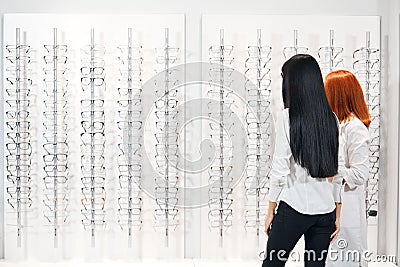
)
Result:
{"points": [[281, 158], [356, 171]]}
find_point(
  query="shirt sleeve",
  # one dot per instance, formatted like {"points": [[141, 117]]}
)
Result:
{"points": [[357, 170], [281, 158], [337, 187], [338, 178]]}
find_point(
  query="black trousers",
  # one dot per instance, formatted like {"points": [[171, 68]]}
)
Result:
{"points": [[287, 228]]}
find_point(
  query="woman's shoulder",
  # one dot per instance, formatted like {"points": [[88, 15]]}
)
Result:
{"points": [[285, 113], [356, 125]]}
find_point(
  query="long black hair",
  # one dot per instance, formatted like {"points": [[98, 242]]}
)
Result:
{"points": [[313, 126]]}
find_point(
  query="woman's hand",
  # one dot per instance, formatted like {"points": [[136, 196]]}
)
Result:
{"points": [[337, 221], [337, 230], [330, 179], [268, 222], [270, 216]]}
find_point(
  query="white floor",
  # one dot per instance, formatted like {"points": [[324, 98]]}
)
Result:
{"points": [[164, 263]]}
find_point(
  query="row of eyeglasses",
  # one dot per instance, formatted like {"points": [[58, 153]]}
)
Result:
{"points": [[166, 136], [258, 120], [219, 108], [56, 148], [367, 69], [18, 130], [93, 139], [130, 131]]}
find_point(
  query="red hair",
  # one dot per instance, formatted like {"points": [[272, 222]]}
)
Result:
{"points": [[345, 96]]}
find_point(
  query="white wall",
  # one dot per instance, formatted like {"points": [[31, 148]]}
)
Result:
{"points": [[388, 9], [390, 38]]}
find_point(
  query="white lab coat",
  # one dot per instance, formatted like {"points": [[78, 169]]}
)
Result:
{"points": [[354, 142]]}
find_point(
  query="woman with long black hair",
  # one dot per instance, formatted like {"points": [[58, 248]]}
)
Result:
{"points": [[305, 157]]}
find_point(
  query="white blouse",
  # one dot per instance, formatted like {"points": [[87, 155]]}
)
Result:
{"points": [[290, 182]]}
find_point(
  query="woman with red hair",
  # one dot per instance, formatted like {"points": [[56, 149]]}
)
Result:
{"points": [[346, 99]]}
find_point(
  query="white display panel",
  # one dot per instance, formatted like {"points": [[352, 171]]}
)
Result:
{"points": [[110, 31], [277, 32]]}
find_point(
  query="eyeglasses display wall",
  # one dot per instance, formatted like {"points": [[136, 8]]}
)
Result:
{"points": [[93, 128], [78, 184], [257, 46]]}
